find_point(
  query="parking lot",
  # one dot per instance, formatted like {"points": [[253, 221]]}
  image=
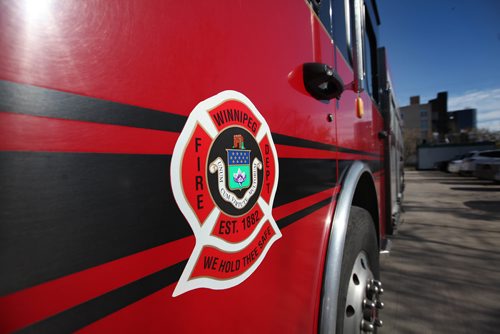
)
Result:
{"points": [[443, 273]]}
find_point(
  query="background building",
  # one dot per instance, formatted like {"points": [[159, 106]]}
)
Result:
{"points": [[431, 121], [439, 117], [422, 120], [462, 120]]}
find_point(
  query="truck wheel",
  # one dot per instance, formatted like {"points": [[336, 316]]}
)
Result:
{"points": [[360, 290]]}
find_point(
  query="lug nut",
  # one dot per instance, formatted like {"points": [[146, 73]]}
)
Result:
{"points": [[369, 310], [367, 327], [371, 290], [368, 304]]}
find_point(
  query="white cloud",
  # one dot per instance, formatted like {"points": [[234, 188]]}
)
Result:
{"points": [[487, 103]]}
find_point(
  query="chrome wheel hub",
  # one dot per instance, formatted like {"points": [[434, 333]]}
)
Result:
{"points": [[361, 314]]}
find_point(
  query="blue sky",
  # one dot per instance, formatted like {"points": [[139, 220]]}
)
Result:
{"points": [[445, 45]]}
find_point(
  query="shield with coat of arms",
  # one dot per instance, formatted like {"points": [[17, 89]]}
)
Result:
{"points": [[238, 168]]}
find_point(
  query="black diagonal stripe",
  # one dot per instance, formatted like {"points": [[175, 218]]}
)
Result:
{"points": [[61, 213], [36, 101], [301, 178], [294, 141], [95, 208], [368, 154], [284, 222], [95, 309], [299, 142], [102, 306], [374, 165]]}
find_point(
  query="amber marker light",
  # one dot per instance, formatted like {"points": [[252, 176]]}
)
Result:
{"points": [[360, 110]]}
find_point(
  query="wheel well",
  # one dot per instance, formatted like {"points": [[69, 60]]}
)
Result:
{"points": [[365, 197], [357, 188]]}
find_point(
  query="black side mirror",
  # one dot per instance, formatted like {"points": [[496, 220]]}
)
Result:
{"points": [[322, 81]]}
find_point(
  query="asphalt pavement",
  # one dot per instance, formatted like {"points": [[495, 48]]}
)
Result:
{"points": [[443, 273]]}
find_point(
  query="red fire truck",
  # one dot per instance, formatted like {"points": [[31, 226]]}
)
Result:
{"points": [[202, 167]]}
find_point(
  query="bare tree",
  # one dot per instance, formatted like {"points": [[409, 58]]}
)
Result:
{"points": [[483, 134], [411, 138]]}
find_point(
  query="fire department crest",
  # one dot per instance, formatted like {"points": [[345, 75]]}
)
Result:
{"points": [[224, 175]]}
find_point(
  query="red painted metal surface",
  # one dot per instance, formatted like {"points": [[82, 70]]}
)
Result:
{"points": [[32, 133], [265, 304], [169, 56], [360, 133]]}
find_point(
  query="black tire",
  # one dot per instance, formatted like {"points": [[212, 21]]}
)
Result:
{"points": [[360, 237]]}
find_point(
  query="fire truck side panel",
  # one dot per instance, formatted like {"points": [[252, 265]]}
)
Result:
{"points": [[94, 98], [358, 137]]}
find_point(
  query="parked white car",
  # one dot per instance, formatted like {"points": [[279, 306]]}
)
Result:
{"points": [[468, 165], [488, 169], [455, 163]]}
